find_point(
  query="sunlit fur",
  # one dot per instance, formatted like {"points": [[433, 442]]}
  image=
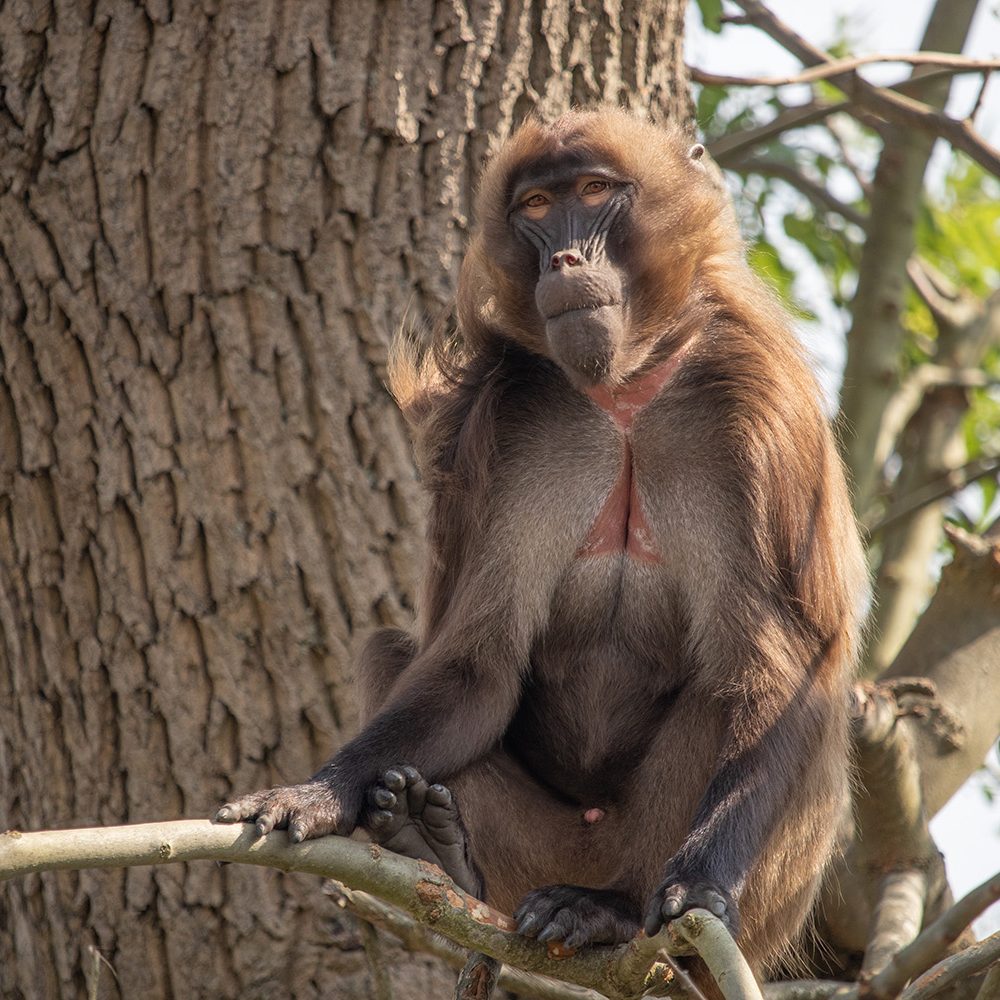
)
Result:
{"points": [[753, 618]]}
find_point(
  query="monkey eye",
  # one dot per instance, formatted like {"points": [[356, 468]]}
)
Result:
{"points": [[535, 206], [595, 191]]}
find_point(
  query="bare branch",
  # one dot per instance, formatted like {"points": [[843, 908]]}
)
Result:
{"points": [[934, 941], [945, 486], [711, 940], [948, 305], [419, 889], [886, 103], [811, 989], [417, 937], [956, 969], [815, 192], [897, 918], [838, 67], [727, 147]]}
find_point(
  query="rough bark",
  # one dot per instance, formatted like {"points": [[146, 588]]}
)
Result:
{"points": [[930, 447], [212, 216], [956, 644]]}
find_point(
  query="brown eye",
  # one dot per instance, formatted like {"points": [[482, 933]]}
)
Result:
{"points": [[595, 187], [535, 206]]}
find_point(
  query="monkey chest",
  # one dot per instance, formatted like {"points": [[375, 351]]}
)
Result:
{"points": [[622, 526]]}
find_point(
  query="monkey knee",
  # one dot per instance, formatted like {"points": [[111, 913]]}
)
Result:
{"points": [[384, 656]]}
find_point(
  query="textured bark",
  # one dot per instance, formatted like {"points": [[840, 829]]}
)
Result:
{"points": [[212, 216], [931, 446]]}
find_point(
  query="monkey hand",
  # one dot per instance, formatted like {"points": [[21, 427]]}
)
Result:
{"points": [[312, 809], [682, 892]]}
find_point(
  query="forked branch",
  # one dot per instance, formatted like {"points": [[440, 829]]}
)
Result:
{"points": [[420, 890]]}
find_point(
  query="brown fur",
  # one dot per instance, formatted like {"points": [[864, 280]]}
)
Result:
{"points": [[698, 699], [756, 614]]}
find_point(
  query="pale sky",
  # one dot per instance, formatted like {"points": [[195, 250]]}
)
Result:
{"points": [[967, 830]]}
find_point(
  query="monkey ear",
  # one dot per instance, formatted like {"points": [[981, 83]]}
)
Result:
{"points": [[696, 152]]}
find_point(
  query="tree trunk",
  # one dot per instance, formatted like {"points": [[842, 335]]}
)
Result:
{"points": [[212, 217]]}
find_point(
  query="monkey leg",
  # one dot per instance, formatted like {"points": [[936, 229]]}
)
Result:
{"points": [[509, 828]]}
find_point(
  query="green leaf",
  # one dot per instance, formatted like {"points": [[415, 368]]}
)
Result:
{"points": [[764, 259], [711, 13]]}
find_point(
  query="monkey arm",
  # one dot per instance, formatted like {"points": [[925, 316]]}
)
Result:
{"points": [[772, 736], [773, 624], [451, 703], [448, 708], [453, 700]]}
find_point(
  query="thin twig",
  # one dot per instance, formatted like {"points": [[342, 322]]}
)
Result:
{"points": [[978, 103], [990, 989], [381, 983], [885, 102], [833, 127], [478, 978], [955, 969], [838, 67], [815, 192], [947, 485]]}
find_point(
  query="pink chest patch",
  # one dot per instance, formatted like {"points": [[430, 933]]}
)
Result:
{"points": [[621, 524]]}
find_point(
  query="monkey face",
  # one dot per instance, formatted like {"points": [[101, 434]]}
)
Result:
{"points": [[566, 213], [592, 231]]}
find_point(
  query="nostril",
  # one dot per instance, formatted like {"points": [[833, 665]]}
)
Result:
{"points": [[566, 258]]}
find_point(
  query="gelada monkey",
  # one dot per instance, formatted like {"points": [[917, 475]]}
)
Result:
{"points": [[640, 612]]}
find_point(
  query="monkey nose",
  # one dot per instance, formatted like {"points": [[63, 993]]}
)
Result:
{"points": [[566, 258]]}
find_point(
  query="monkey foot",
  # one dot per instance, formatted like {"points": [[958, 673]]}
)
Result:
{"points": [[421, 821], [577, 916]]}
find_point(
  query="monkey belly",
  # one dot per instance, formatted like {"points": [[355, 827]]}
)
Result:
{"points": [[588, 719]]}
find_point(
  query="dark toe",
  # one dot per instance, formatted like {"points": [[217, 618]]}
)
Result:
{"points": [[382, 798], [394, 779]]}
